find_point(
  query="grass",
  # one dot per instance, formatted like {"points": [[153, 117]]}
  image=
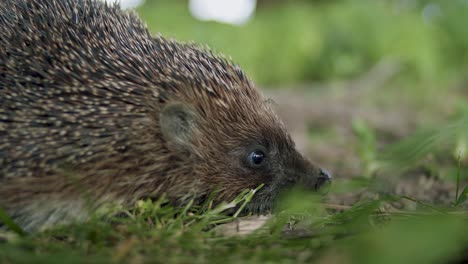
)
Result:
{"points": [[157, 233]]}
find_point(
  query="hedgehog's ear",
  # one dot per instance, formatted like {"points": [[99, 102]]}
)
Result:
{"points": [[178, 124]]}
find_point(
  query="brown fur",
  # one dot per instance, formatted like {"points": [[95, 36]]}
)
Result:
{"points": [[85, 92]]}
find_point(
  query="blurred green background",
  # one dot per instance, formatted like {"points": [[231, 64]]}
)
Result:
{"points": [[292, 42]]}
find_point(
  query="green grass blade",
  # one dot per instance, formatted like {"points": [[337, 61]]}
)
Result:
{"points": [[462, 197], [8, 221]]}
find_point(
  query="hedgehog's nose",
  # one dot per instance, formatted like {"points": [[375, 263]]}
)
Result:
{"points": [[323, 178]]}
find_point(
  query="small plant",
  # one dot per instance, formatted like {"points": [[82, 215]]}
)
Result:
{"points": [[366, 147]]}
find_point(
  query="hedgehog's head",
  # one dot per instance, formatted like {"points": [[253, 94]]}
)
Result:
{"points": [[234, 139]]}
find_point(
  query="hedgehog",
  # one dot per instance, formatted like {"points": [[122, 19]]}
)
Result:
{"points": [[94, 109]]}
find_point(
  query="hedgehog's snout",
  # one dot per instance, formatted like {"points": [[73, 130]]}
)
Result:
{"points": [[311, 177], [315, 179]]}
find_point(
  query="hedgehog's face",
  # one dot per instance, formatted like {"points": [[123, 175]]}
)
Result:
{"points": [[266, 156], [277, 165], [233, 155]]}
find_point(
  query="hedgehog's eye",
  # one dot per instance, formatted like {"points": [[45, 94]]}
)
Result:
{"points": [[256, 158]]}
